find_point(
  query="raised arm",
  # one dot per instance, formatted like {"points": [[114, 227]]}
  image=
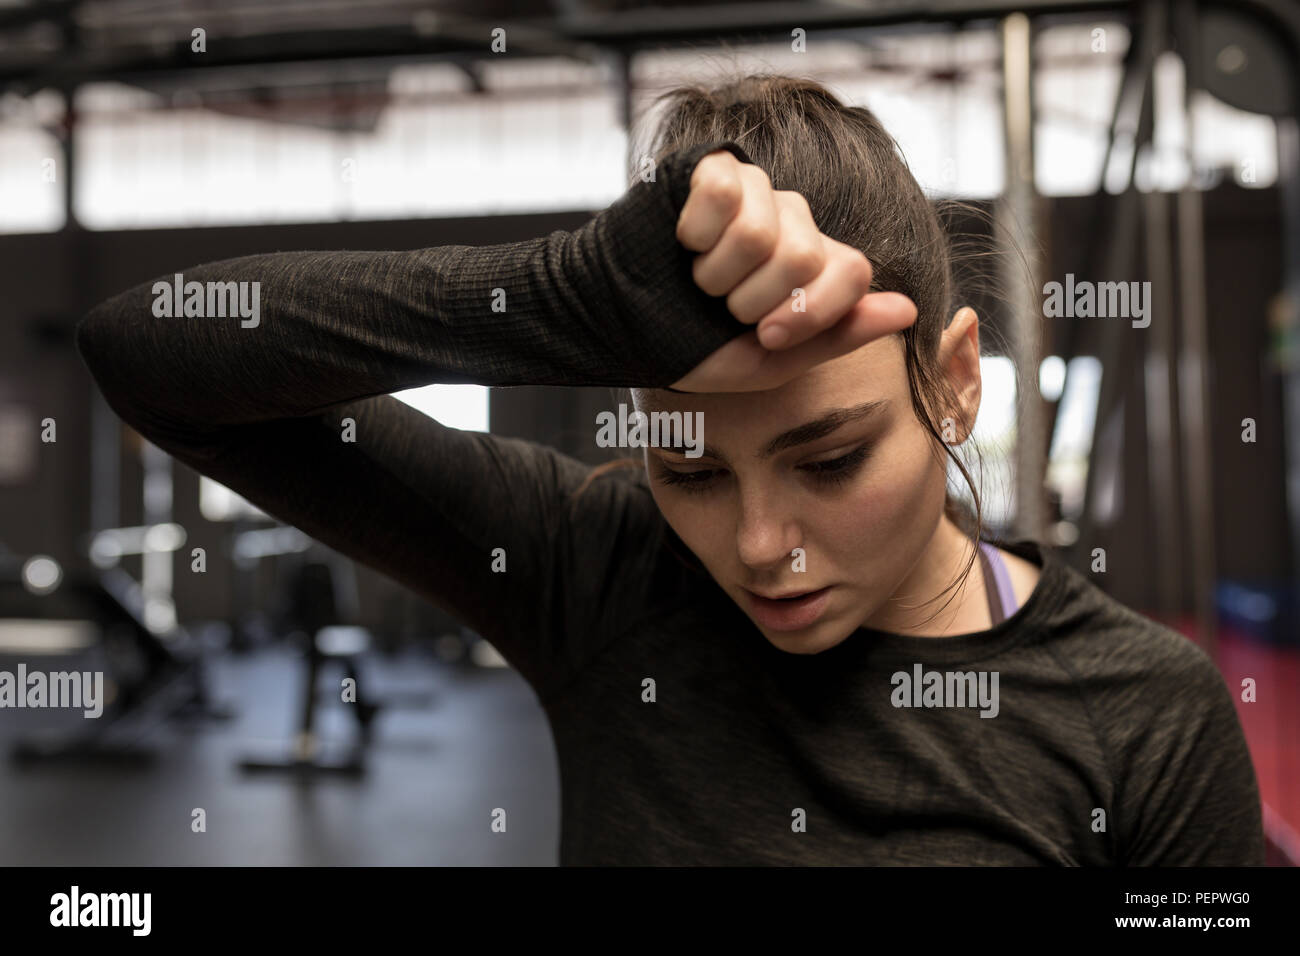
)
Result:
{"points": [[263, 407]]}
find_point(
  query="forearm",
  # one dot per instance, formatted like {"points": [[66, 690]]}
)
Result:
{"points": [[609, 304]]}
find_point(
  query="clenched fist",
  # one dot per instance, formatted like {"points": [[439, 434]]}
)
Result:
{"points": [[757, 246]]}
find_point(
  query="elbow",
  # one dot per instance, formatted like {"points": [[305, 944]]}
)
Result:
{"points": [[101, 339], [97, 331], [89, 336], [112, 343], [125, 357]]}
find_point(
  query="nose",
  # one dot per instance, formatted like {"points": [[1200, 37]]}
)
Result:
{"points": [[766, 533]]}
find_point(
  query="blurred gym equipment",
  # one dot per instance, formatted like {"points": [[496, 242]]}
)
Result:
{"points": [[49, 618], [314, 614]]}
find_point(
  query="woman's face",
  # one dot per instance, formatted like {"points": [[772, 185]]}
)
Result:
{"points": [[835, 463]]}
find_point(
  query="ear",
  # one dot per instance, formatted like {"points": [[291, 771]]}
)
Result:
{"points": [[959, 357]]}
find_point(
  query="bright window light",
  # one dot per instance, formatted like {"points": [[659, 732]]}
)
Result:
{"points": [[456, 406], [1067, 467], [1051, 377], [219, 503], [32, 174], [144, 162]]}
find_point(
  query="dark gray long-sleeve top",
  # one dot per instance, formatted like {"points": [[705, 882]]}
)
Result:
{"points": [[1115, 740]]}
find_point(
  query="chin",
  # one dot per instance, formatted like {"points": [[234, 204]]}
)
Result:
{"points": [[812, 640]]}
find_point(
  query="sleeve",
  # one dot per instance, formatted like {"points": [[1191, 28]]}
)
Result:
{"points": [[1189, 795], [288, 404]]}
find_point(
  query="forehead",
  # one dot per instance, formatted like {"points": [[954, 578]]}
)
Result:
{"points": [[874, 372]]}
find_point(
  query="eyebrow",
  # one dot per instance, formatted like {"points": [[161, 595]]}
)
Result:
{"points": [[813, 430]]}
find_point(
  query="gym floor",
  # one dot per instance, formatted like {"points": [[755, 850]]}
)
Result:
{"points": [[433, 778]]}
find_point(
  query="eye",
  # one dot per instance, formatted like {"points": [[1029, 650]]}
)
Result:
{"points": [[833, 471], [688, 480], [837, 470]]}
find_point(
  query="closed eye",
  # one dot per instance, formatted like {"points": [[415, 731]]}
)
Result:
{"points": [[832, 471], [837, 470]]}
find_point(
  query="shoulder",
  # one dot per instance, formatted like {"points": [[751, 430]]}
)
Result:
{"points": [[1108, 648], [1184, 787], [1148, 688], [1103, 637]]}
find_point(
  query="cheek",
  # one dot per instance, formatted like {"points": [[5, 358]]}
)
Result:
{"points": [[693, 520], [891, 518]]}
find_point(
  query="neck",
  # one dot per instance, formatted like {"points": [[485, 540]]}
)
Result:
{"points": [[914, 607]]}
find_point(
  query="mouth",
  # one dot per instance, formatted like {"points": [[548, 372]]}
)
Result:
{"points": [[788, 596], [792, 611]]}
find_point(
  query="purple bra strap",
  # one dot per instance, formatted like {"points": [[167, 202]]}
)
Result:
{"points": [[1002, 597]]}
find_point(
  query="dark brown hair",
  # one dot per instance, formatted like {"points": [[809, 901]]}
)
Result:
{"points": [[861, 193]]}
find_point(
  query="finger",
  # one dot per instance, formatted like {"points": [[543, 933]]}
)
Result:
{"points": [[873, 316], [802, 254], [713, 201], [821, 303], [743, 365], [748, 240]]}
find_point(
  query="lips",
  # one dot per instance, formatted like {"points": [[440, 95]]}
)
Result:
{"points": [[784, 597], [792, 612]]}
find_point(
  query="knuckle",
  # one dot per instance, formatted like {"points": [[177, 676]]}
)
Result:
{"points": [[805, 257], [704, 278], [795, 200], [758, 174], [709, 167], [736, 306], [860, 270], [755, 238], [723, 189]]}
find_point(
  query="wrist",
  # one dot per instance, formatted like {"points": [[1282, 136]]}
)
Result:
{"points": [[652, 318]]}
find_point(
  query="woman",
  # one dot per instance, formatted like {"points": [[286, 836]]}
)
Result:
{"points": [[786, 649]]}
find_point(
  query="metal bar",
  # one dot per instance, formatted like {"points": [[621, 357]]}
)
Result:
{"points": [[1099, 244], [1158, 346], [1193, 384], [1016, 213], [105, 464], [1193, 372], [68, 147], [1161, 399], [1115, 358], [156, 565], [1288, 139]]}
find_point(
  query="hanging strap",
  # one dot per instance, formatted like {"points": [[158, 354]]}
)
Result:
{"points": [[997, 584]]}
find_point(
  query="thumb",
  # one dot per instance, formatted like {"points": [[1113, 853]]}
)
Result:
{"points": [[875, 315]]}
